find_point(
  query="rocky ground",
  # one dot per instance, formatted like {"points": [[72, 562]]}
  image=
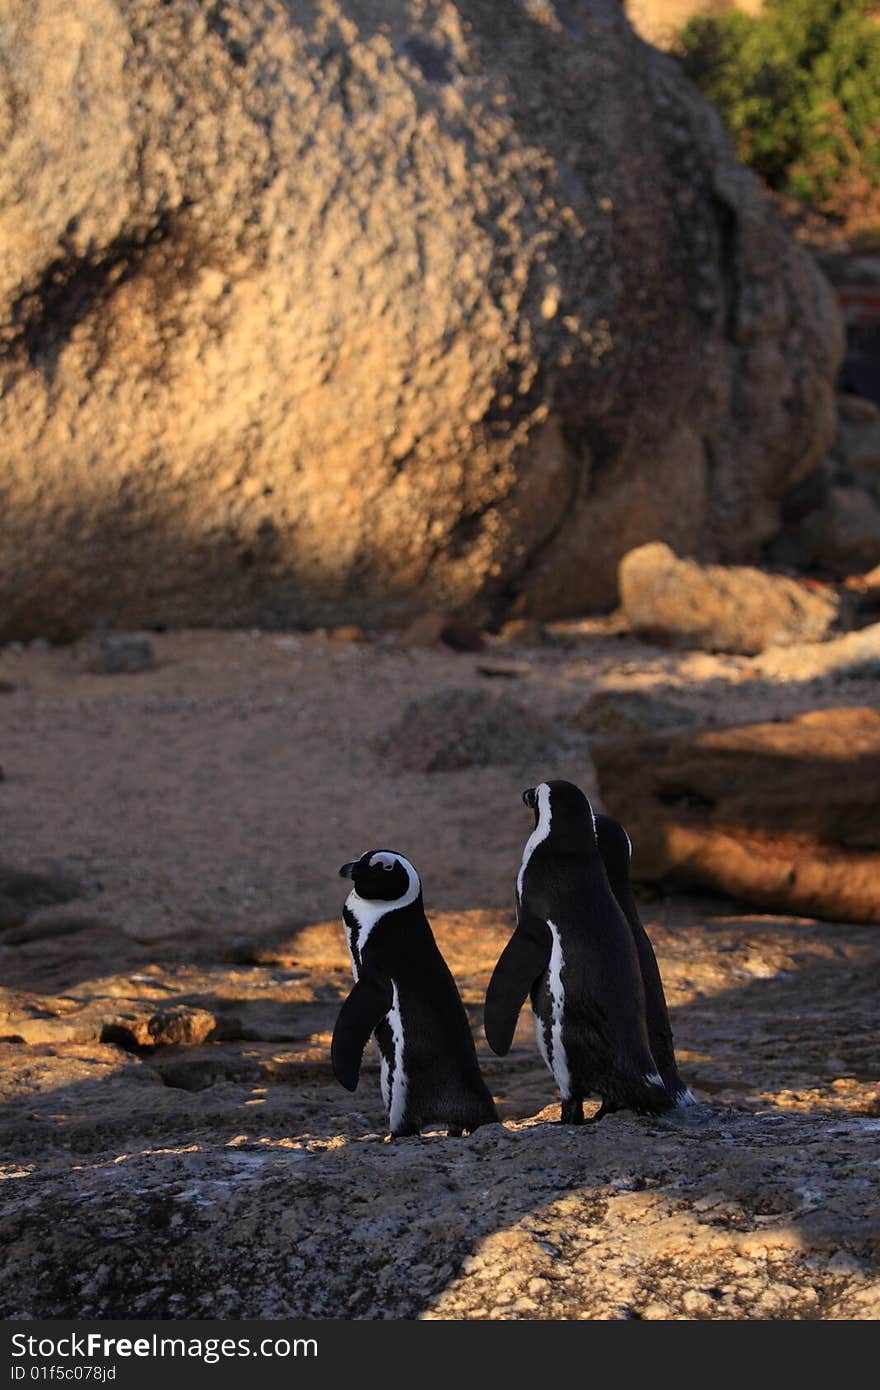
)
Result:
{"points": [[171, 1139]]}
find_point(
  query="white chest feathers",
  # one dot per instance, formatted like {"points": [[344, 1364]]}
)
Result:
{"points": [[558, 1057]]}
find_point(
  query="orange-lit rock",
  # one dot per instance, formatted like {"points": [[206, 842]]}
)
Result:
{"points": [[783, 815]]}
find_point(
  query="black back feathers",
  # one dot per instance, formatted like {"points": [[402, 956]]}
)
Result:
{"points": [[574, 953], [615, 848]]}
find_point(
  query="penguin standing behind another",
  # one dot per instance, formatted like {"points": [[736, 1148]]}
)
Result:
{"points": [[574, 953], [615, 848], [405, 995]]}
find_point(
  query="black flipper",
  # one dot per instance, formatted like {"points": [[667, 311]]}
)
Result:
{"points": [[361, 1013], [524, 958]]}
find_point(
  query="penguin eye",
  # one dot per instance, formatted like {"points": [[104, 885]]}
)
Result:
{"points": [[387, 867]]}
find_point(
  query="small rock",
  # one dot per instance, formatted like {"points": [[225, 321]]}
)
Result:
{"points": [[454, 728], [505, 671], [620, 713], [349, 632], [197, 1073], [463, 637], [717, 607], [656, 1312], [865, 583], [424, 631], [122, 653], [524, 632], [174, 1027], [697, 1301], [431, 629], [37, 1030]]}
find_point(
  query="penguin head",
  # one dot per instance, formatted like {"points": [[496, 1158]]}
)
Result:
{"points": [[381, 875], [563, 812], [615, 847]]}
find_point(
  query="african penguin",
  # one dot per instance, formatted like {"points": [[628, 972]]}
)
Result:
{"points": [[574, 954], [615, 848], [405, 995]]}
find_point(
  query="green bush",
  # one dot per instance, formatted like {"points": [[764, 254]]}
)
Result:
{"points": [[798, 87]]}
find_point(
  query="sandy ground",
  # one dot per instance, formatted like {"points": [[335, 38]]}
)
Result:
{"points": [[171, 1138], [223, 789]]}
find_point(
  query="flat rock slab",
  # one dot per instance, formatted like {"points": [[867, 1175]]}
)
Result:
{"points": [[648, 1220], [233, 1178], [784, 815], [724, 608]]}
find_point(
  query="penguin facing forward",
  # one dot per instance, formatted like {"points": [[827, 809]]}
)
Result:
{"points": [[405, 996], [615, 848], [574, 954]]}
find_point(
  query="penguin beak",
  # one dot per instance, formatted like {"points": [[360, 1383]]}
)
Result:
{"points": [[529, 797], [347, 870]]}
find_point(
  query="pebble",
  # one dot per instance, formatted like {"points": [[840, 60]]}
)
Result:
{"points": [[123, 653]]}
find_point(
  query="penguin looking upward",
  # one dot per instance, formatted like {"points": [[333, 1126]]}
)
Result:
{"points": [[615, 848], [573, 953], [406, 996]]}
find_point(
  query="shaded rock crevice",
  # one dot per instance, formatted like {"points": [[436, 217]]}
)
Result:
{"points": [[69, 290]]}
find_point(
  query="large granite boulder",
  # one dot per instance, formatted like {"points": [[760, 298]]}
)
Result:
{"points": [[783, 815], [334, 313]]}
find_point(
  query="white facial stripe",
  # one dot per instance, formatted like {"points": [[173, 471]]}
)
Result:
{"points": [[368, 911], [561, 1073], [630, 844], [397, 1103], [593, 815], [386, 860], [540, 832]]}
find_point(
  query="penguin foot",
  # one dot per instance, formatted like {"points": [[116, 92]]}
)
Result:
{"points": [[572, 1112], [454, 1132], [412, 1132]]}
